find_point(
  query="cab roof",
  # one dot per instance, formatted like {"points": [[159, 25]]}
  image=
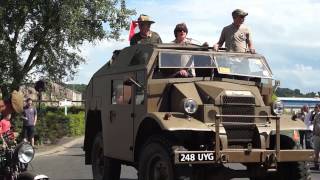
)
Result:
{"points": [[139, 55]]}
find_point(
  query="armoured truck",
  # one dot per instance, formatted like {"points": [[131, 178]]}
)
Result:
{"points": [[141, 112]]}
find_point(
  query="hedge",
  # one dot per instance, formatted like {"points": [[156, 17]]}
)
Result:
{"points": [[52, 124]]}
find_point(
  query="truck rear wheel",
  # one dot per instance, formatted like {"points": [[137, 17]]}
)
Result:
{"points": [[155, 162], [103, 168]]}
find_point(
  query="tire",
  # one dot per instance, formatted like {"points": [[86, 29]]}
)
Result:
{"points": [[103, 168], [155, 162], [293, 171], [26, 176], [288, 170]]}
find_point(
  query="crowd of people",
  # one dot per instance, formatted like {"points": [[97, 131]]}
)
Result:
{"points": [[311, 137], [236, 36]]}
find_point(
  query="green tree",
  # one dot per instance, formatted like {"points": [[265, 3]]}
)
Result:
{"points": [[43, 37]]}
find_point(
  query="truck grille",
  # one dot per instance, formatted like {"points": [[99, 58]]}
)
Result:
{"points": [[238, 100], [238, 110], [239, 135]]}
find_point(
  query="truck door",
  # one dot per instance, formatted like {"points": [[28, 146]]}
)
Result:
{"points": [[119, 126]]}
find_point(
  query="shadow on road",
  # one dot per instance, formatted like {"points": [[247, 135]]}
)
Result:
{"points": [[315, 172], [92, 179], [74, 155]]}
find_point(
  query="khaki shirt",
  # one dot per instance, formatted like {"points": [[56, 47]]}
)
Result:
{"points": [[186, 59], [236, 39], [154, 38]]}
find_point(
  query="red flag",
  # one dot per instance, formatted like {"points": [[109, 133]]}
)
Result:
{"points": [[133, 26]]}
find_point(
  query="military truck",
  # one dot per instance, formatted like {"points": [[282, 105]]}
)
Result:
{"points": [[141, 112]]}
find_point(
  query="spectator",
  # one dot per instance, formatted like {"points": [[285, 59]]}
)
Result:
{"points": [[145, 36], [308, 121], [236, 36], [5, 126], [316, 136], [303, 116], [30, 121]]}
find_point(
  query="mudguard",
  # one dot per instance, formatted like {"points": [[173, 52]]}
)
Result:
{"points": [[177, 121]]}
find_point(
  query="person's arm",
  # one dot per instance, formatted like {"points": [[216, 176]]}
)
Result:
{"points": [[220, 42], [250, 43], [35, 116], [133, 40], [251, 48]]}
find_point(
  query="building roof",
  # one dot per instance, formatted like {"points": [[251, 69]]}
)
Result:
{"points": [[298, 102]]}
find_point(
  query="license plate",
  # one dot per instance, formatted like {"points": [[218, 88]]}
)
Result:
{"points": [[194, 157]]}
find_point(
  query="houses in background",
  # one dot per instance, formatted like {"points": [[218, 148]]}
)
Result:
{"points": [[294, 104], [54, 95]]}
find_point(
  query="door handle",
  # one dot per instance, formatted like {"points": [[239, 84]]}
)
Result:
{"points": [[112, 116]]}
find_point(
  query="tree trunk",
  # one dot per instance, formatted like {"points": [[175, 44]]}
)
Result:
{"points": [[5, 91]]}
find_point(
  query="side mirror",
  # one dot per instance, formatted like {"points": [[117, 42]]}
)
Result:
{"points": [[131, 81], [276, 85]]}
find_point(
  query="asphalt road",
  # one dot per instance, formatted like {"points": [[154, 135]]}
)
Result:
{"points": [[67, 163]]}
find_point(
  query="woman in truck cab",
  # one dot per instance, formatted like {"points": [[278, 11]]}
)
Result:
{"points": [[180, 33]]}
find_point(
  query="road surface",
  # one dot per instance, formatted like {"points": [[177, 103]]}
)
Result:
{"points": [[68, 164]]}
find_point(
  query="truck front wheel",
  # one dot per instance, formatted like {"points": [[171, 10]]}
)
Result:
{"points": [[288, 170], [155, 161], [103, 168], [293, 171]]}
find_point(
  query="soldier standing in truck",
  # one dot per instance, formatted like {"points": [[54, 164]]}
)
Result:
{"points": [[237, 37], [145, 36]]}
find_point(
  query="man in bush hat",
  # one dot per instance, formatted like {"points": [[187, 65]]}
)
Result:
{"points": [[145, 36], [13, 104], [236, 36]]}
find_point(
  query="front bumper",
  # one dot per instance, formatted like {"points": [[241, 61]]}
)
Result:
{"points": [[242, 156]]}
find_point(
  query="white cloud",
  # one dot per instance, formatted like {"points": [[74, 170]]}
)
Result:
{"points": [[300, 77]]}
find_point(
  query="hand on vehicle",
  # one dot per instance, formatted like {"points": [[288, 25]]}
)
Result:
{"points": [[215, 47], [205, 44], [183, 73], [252, 51]]}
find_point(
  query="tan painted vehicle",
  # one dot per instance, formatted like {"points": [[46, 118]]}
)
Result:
{"points": [[141, 112]]}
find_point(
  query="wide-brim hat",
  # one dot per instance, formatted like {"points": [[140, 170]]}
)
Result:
{"points": [[17, 101], [145, 18], [239, 12]]}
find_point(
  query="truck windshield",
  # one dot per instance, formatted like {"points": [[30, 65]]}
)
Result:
{"points": [[242, 65], [249, 65], [184, 60]]}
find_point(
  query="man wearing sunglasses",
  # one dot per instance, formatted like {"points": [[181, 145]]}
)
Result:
{"points": [[236, 36], [145, 36]]}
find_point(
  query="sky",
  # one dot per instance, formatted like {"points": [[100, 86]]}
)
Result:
{"points": [[286, 32]]}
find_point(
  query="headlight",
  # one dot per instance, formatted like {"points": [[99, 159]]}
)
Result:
{"points": [[278, 107], [25, 152], [190, 106]]}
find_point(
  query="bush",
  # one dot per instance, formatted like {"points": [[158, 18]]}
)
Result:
{"points": [[52, 126], [76, 124]]}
